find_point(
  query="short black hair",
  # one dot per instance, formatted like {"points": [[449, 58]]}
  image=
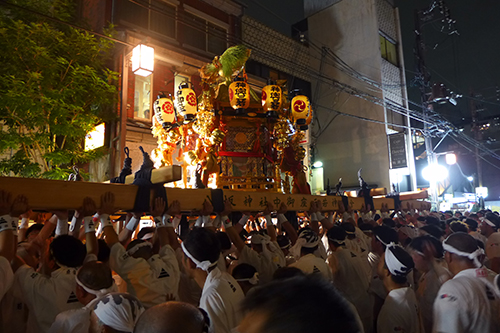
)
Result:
{"points": [[432, 220], [95, 275], [348, 227], [225, 242], [387, 235], [459, 227], [287, 272], [203, 244], [433, 230], [301, 304], [389, 222], [34, 227], [68, 251], [365, 227], [243, 271], [493, 218], [283, 241], [420, 242], [472, 224], [336, 235]]}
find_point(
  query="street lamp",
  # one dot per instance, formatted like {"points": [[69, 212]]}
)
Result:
{"points": [[434, 173], [143, 60], [451, 159]]}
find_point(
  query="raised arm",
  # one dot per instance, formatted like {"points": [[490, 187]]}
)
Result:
{"points": [[9, 217], [313, 218], [271, 230], [228, 226], [131, 223], [107, 207], [164, 222], [88, 210], [285, 224]]}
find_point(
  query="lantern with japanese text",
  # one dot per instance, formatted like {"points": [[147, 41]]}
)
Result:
{"points": [[186, 102], [239, 95], [301, 111], [165, 111], [271, 100]]}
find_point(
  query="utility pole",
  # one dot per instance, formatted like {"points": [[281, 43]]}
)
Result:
{"points": [[478, 136], [423, 77]]}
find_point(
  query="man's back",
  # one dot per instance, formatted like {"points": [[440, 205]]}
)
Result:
{"points": [[221, 298], [467, 303], [45, 296]]}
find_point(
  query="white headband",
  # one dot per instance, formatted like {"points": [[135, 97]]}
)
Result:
{"points": [[260, 239], [148, 236], [204, 265], [393, 264], [488, 222], [472, 256], [136, 247], [99, 292], [254, 280], [380, 240], [119, 311]]}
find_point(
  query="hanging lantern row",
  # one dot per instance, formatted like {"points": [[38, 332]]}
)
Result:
{"points": [[186, 104], [239, 98]]}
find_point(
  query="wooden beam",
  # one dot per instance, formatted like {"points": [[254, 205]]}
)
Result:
{"points": [[44, 194], [56, 194], [166, 174], [373, 192]]}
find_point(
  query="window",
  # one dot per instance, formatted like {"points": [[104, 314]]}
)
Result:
{"points": [[162, 18], [142, 97], [203, 35], [153, 15], [177, 81], [388, 50]]}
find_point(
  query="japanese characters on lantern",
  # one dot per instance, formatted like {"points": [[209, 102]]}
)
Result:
{"points": [[239, 95], [271, 100], [165, 111], [186, 102]]}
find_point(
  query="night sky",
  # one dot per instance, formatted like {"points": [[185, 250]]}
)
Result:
{"points": [[466, 62]]}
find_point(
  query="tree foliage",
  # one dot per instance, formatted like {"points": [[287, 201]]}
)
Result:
{"points": [[54, 88]]}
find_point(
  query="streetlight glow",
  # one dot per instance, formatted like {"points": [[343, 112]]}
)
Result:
{"points": [[318, 164], [470, 178], [143, 59], [435, 173], [451, 159]]}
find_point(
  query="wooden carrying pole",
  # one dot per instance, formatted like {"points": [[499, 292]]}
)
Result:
{"points": [[52, 195]]}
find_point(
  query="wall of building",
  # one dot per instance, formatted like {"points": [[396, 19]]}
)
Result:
{"points": [[350, 30]]}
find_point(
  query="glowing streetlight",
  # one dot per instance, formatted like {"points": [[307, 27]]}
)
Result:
{"points": [[318, 164], [470, 178], [451, 159], [435, 173], [143, 60]]}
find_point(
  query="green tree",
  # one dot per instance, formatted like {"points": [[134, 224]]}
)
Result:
{"points": [[54, 88]]}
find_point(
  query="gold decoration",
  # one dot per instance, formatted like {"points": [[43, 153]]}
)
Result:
{"points": [[241, 138]]}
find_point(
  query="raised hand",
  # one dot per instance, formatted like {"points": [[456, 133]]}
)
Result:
{"points": [[174, 208], [20, 206], [107, 203], [158, 207], [228, 208], [269, 208], [283, 208], [88, 207], [207, 208]]}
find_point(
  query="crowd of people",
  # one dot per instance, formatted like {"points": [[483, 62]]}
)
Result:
{"points": [[272, 271]]}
